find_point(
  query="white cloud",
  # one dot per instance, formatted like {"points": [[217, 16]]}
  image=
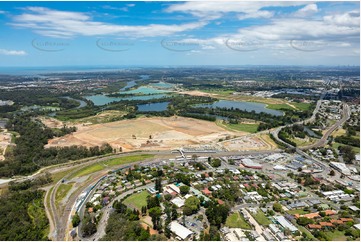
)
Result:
{"points": [[214, 10], [124, 9], [258, 14], [54, 23], [346, 19], [12, 52], [300, 29], [288, 34], [307, 10]]}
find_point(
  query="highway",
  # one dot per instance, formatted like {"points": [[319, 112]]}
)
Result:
{"points": [[323, 141], [325, 167]]}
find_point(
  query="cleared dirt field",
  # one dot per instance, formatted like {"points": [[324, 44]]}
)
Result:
{"points": [[250, 142], [51, 122], [154, 133], [242, 98]]}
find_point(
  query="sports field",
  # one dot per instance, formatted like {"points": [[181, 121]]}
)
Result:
{"points": [[137, 200]]}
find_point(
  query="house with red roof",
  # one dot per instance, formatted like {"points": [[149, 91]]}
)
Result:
{"points": [[314, 226], [206, 191]]}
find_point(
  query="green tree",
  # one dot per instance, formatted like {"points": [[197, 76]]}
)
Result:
{"points": [[277, 207], [184, 189], [75, 220], [155, 214], [304, 221], [192, 203]]}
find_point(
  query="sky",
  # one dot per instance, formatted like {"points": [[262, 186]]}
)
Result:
{"points": [[40, 34]]}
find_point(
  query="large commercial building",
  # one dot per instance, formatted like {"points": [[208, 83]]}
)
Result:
{"points": [[341, 167], [251, 164]]}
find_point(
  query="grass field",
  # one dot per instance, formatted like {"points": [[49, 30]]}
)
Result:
{"points": [[303, 142], [62, 191], [290, 106], [235, 220], [335, 145], [137, 200], [338, 132], [308, 233], [59, 175], [112, 162], [261, 218], [295, 211], [302, 106], [336, 235], [88, 170], [128, 159], [245, 127], [280, 106]]}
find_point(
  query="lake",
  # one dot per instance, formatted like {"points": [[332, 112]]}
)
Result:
{"points": [[148, 91], [100, 100], [247, 106], [153, 107], [144, 90], [164, 85], [144, 77], [129, 85], [82, 103]]}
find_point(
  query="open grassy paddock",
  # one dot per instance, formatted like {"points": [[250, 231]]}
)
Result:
{"points": [[235, 220], [137, 200], [261, 218], [244, 127], [110, 163], [62, 191]]}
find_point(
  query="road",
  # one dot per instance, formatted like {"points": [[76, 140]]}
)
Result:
{"points": [[323, 141], [106, 213], [59, 219]]}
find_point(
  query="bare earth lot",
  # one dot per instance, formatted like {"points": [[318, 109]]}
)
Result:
{"points": [[156, 133]]}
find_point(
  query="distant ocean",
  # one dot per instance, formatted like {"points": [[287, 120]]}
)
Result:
{"points": [[32, 71]]}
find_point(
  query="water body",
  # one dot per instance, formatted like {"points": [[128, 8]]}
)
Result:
{"points": [[2, 123], [129, 85], [148, 91], [144, 77], [100, 100], [153, 107], [81, 105], [164, 85], [247, 106]]}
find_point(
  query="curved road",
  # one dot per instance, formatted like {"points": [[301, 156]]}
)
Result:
{"points": [[321, 142]]}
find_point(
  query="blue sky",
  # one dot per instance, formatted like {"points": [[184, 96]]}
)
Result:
{"points": [[179, 33]]}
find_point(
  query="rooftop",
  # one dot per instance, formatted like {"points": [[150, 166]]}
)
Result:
{"points": [[180, 230]]}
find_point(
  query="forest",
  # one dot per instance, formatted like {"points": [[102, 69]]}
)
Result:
{"points": [[22, 211], [29, 153]]}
